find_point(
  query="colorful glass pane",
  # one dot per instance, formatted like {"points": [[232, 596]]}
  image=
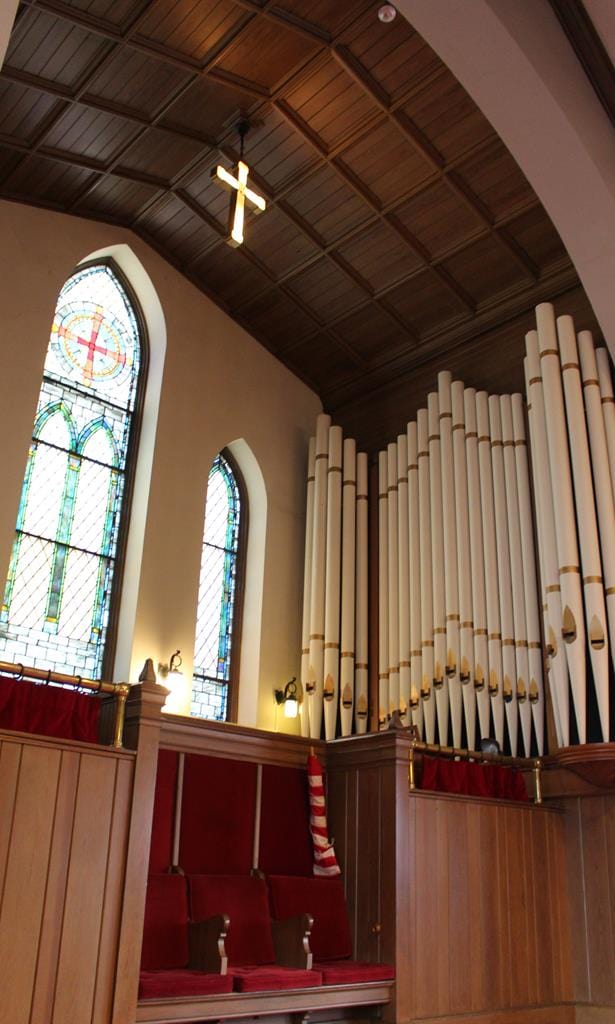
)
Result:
{"points": [[216, 605], [58, 591]]}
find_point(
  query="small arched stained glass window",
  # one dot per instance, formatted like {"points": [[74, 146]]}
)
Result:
{"points": [[58, 593], [217, 612]]}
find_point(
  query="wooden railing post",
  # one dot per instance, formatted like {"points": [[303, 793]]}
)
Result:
{"points": [[141, 732]]}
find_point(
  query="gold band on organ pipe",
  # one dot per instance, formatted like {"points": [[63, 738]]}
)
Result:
{"points": [[462, 523], [361, 601], [530, 583], [600, 463], [393, 576], [591, 565], [603, 364], [414, 559], [572, 625], [494, 635], [477, 564], [437, 566], [403, 579], [451, 584], [516, 568], [332, 582], [426, 585], [558, 670], [383, 590], [509, 665], [317, 601], [347, 632], [307, 582]]}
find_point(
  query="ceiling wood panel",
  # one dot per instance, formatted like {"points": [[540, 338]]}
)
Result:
{"points": [[398, 230]]}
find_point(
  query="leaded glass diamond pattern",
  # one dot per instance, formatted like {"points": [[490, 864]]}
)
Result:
{"points": [[56, 602], [216, 605]]}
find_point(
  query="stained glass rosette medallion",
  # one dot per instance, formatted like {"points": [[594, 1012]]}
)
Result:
{"points": [[57, 597], [217, 586]]}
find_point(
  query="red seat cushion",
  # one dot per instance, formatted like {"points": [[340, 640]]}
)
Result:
{"points": [[353, 972], [165, 929], [245, 901], [265, 979], [166, 984], [323, 898]]}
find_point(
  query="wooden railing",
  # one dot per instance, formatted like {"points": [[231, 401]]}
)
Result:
{"points": [[119, 690]]}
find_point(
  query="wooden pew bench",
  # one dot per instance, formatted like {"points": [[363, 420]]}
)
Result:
{"points": [[203, 969]]}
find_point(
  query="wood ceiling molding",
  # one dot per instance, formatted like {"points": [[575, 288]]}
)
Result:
{"points": [[399, 229]]}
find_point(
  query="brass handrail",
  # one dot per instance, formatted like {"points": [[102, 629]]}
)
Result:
{"points": [[533, 764], [121, 690]]}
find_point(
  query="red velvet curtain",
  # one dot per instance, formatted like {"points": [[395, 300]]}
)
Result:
{"points": [[473, 779], [48, 710]]}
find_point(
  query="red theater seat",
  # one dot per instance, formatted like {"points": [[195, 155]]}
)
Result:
{"points": [[330, 939], [249, 945], [165, 951]]}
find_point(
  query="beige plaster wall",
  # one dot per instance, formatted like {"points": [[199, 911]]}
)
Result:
{"points": [[217, 386]]}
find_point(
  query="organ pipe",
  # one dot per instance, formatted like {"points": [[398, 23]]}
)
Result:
{"points": [[307, 583], [462, 524], [361, 604], [403, 579], [349, 559], [437, 566], [451, 583], [315, 684], [477, 564]]}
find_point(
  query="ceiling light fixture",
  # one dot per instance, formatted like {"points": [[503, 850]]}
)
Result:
{"points": [[386, 13], [240, 193]]}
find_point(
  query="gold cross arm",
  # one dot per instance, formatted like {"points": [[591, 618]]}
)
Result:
{"points": [[240, 194]]}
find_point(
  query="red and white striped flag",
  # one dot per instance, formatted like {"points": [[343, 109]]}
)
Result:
{"points": [[325, 862]]}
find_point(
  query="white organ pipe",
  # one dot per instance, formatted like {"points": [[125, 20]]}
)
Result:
{"points": [[516, 566], [307, 583], [451, 583], [530, 583], [593, 583], [347, 612], [414, 559], [603, 364], [462, 522], [393, 576], [509, 665], [383, 591], [317, 602], [427, 640], [332, 582], [600, 463], [558, 671], [491, 565], [437, 567], [361, 606], [573, 625], [403, 579], [477, 564]]}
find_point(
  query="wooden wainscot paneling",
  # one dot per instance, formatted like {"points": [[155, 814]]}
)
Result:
{"points": [[64, 813], [238, 742], [467, 896]]}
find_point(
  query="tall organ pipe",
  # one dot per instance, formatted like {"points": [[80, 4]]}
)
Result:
{"points": [[427, 638], [573, 625], [347, 637], [307, 584], [414, 556], [393, 576], [491, 565], [317, 602], [403, 578], [437, 567], [530, 583], [361, 606], [451, 583], [477, 564], [383, 591]]}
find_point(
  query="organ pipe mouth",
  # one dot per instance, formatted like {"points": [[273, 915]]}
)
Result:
{"points": [[596, 634], [464, 671], [521, 692], [569, 626], [479, 679], [425, 692], [507, 691], [534, 695], [552, 643], [493, 683]]}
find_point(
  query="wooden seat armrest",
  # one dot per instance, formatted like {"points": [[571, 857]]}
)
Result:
{"points": [[206, 944], [291, 941]]}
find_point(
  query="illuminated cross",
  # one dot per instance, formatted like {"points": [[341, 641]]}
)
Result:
{"points": [[240, 192]]}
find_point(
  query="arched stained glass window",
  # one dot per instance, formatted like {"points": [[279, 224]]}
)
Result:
{"points": [[218, 606], [58, 594]]}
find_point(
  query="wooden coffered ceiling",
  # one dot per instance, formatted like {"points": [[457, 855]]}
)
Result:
{"points": [[400, 235]]}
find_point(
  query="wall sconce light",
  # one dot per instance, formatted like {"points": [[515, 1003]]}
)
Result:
{"points": [[174, 682], [288, 697]]}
